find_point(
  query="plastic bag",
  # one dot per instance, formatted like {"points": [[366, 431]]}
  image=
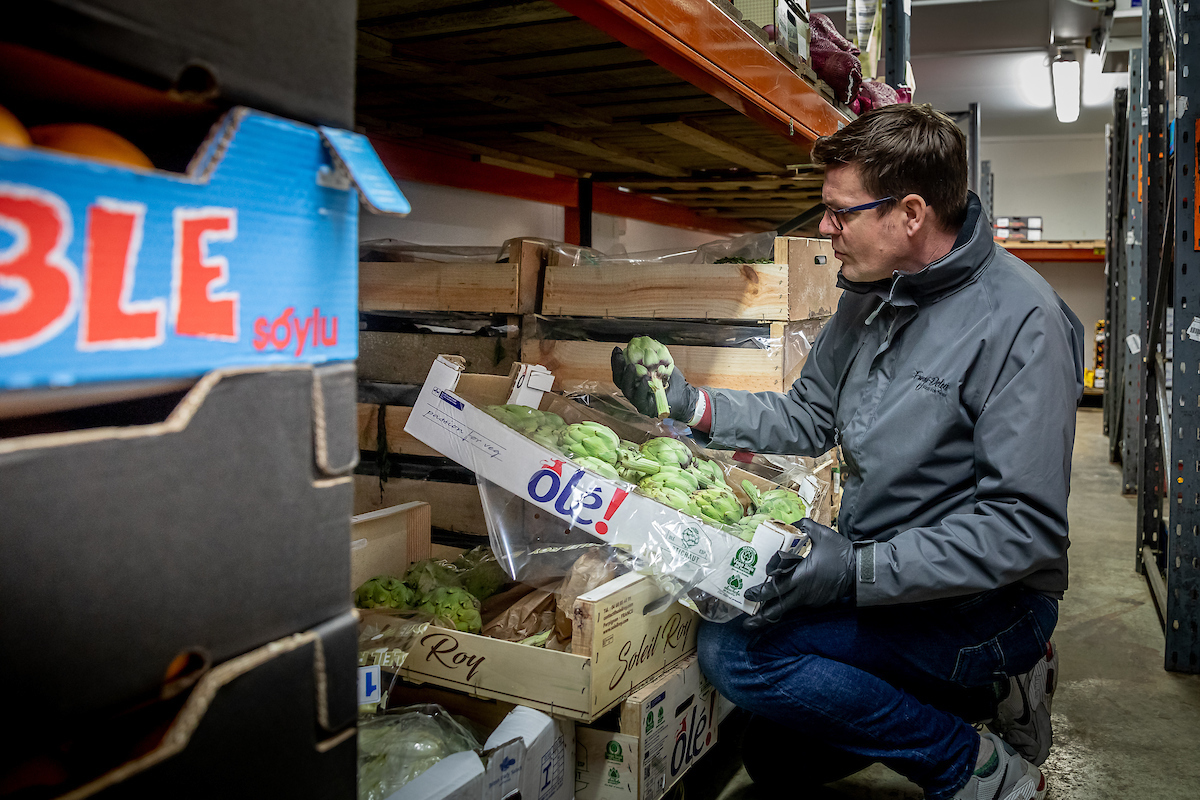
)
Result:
{"points": [[398, 746], [385, 638]]}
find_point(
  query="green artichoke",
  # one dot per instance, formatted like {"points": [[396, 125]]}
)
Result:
{"points": [[673, 498], [667, 451], [708, 472], [651, 358], [746, 526], [671, 478], [783, 505], [384, 591], [423, 577], [481, 574], [591, 439], [751, 492], [548, 437], [718, 506], [455, 605], [601, 468]]}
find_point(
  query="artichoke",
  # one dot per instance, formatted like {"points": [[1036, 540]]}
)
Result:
{"points": [[548, 436], [455, 605], [667, 451], [746, 526], [384, 591], [601, 468], [480, 573], [709, 473], [752, 492], [651, 358], [783, 505], [520, 418], [671, 478], [673, 498], [591, 439], [718, 506], [633, 461]]}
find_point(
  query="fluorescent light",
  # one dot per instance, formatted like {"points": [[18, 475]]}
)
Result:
{"points": [[1065, 76]]}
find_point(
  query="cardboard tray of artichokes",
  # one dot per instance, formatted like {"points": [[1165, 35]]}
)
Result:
{"points": [[560, 475]]}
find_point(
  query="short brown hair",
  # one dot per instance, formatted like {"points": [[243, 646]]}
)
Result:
{"points": [[905, 149]]}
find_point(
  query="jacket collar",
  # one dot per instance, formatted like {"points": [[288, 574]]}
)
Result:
{"points": [[971, 252]]}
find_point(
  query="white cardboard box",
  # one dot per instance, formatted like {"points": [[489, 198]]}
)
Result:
{"points": [[447, 417], [544, 768]]}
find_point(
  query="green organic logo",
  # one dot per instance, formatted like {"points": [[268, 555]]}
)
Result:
{"points": [[735, 583], [744, 560], [614, 752], [660, 716], [691, 537], [614, 777]]}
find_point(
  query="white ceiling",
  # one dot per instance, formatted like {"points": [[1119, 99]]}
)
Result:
{"points": [[996, 53]]}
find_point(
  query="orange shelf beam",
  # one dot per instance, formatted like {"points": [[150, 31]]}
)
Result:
{"points": [[447, 168], [1077, 254], [696, 41]]}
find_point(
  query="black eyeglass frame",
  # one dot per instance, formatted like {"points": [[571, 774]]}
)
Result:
{"points": [[835, 214]]}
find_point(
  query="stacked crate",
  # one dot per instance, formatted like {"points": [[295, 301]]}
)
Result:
{"points": [[719, 310], [406, 312]]}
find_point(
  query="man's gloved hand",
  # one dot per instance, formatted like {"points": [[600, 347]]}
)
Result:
{"points": [[681, 396], [824, 576]]}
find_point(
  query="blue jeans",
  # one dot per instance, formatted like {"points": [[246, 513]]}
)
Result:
{"points": [[890, 683]]}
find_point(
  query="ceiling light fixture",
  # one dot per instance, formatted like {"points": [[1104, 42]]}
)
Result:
{"points": [[1066, 78]]}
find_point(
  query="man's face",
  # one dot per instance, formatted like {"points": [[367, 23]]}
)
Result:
{"points": [[871, 244]]}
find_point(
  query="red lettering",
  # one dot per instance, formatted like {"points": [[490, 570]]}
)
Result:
{"points": [[196, 309], [44, 285], [110, 320]]}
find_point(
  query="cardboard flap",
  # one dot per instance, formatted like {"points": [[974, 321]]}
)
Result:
{"points": [[353, 153], [335, 672], [335, 415]]}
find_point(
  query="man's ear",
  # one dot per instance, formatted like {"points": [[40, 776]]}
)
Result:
{"points": [[917, 214]]}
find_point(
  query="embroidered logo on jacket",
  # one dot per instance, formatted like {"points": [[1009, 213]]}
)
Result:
{"points": [[930, 383]]}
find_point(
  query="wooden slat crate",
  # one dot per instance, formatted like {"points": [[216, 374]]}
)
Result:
{"points": [[801, 284], [509, 288], [453, 506], [392, 357]]}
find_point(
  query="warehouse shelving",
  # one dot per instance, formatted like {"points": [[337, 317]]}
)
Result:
{"points": [[679, 113], [1153, 159]]}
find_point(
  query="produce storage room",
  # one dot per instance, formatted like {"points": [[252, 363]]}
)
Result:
{"points": [[600, 399]]}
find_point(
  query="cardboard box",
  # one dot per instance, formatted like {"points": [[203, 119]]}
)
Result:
{"points": [[447, 417], [668, 725], [249, 259], [545, 758], [217, 530], [289, 702], [290, 57]]}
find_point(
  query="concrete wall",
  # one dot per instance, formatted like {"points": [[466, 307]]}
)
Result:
{"points": [[1060, 178]]}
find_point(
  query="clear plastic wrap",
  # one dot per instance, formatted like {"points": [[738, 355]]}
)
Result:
{"points": [[385, 638], [396, 747], [749, 248], [397, 250]]}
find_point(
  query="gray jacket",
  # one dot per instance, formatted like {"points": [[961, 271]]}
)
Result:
{"points": [[952, 392]]}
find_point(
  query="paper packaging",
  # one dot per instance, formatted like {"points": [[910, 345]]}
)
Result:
{"points": [[665, 728], [543, 769], [450, 423]]}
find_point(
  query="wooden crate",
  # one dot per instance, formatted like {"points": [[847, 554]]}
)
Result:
{"points": [[398, 441], [615, 649], [508, 288], [752, 369], [406, 357], [801, 284], [453, 506], [381, 539]]}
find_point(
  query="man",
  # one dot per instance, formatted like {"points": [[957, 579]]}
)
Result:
{"points": [[950, 377]]}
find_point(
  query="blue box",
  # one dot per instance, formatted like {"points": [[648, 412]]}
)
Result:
{"points": [[113, 273]]}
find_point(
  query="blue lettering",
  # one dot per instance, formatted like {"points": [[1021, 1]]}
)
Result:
{"points": [[535, 482]]}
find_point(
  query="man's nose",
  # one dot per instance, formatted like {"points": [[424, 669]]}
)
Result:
{"points": [[826, 227]]}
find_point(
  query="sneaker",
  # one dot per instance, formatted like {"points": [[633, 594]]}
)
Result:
{"points": [[1023, 718], [1013, 779]]}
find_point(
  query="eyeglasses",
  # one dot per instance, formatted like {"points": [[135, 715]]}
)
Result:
{"points": [[835, 215]]}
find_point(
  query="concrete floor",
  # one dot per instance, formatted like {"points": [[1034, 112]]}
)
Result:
{"points": [[1123, 726]]}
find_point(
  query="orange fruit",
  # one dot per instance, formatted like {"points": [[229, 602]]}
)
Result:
{"points": [[12, 132], [89, 141]]}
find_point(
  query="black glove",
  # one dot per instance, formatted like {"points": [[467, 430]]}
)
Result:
{"points": [[681, 396], [824, 576]]}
